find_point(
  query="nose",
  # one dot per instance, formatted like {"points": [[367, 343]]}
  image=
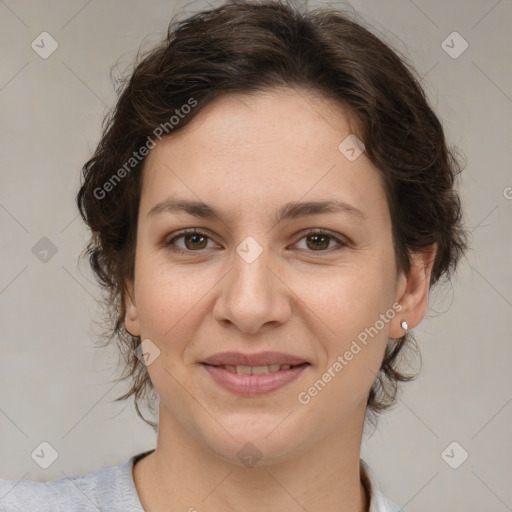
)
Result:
{"points": [[252, 295]]}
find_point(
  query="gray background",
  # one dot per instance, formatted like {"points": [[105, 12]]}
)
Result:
{"points": [[55, 386]]}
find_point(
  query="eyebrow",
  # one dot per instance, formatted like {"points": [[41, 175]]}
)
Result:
{"points": [[292, 210]]}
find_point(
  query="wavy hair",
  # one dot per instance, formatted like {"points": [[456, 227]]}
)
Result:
{"points": [[246, 47]]}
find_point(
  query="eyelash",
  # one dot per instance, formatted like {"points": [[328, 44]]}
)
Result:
{"points": [[319, 231]]}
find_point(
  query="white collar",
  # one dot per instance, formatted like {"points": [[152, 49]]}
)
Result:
{"points": [[378, 502]]}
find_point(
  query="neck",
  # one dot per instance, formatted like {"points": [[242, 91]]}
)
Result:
{"points": [[187, 476]]}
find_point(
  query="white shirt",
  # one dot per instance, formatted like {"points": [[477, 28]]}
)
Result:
{"points": [[112, 489]]}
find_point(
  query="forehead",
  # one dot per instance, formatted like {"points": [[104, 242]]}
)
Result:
{"points": [[279, 118], [259, 149]]}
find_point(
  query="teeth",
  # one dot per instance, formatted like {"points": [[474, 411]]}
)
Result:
{"points": [[255, 370]]}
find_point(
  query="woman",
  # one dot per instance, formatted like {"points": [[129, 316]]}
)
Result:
{"points": [[270, 204]]}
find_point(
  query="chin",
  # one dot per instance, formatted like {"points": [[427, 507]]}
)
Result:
{"points": [[256, 443]]}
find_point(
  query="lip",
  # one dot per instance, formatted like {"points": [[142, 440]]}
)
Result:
{"points": [[259, 359], [253, 385]]}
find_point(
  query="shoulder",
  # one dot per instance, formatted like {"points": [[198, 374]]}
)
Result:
{"points": [[18, 495], [108, 488]]}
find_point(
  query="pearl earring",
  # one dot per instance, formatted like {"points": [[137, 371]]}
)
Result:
{"points": [[405, 325]]}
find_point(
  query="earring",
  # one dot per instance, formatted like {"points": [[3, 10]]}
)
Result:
{"points": [[405, 325]]}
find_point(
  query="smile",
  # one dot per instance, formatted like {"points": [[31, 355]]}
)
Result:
{"points": [[254, 380], [255, 370]]}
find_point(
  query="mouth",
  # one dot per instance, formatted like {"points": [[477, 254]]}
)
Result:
{"points": [[251, 381], [256, 370], [274, 361]]}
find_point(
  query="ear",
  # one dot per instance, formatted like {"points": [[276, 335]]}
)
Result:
{"points": [[131, 318], [412, 292]]}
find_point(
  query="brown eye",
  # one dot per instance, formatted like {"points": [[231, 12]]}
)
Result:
{"points": [[195, 241], [318, 241], [192, 241], [321, 241]]}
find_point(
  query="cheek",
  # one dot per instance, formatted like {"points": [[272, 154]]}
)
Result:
{"points": [[356, 305], [347, 299], [166, 292], [357, 311], [167, 305]]}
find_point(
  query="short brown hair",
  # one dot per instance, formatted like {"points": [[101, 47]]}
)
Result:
{"points": [[244, 47]]}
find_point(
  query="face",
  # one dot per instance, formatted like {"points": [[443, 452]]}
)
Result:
{"points": [[249, 279]]}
